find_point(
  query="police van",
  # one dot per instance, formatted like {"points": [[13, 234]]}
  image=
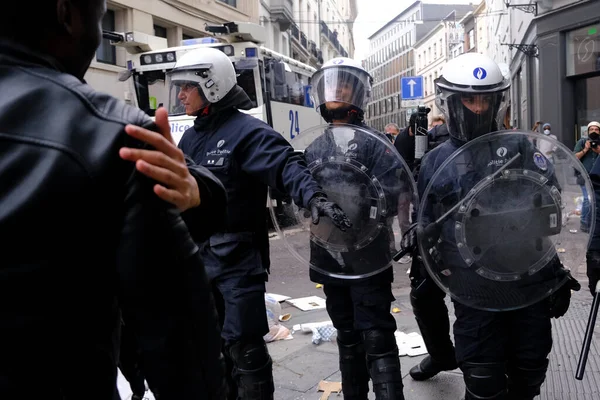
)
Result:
{"points": [[278, 86]]}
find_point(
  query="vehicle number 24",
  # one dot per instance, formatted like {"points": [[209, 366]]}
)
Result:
{"points": [[294, 124]]}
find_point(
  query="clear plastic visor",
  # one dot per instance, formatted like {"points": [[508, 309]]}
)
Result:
{"points": [[470, 115], [341, 86], [185, 93]]}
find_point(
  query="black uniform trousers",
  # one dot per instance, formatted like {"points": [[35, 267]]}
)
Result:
{"points": [[361, 306], [431, 313], [240, 303], [513, 345]]}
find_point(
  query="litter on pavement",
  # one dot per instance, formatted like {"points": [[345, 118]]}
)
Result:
{"points": [[410, 344], [329, 387], [308, 303], [279, 297], [322, 331], [276, 330]]}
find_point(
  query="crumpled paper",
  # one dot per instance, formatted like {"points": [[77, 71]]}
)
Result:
{"points": [[323, 334]]}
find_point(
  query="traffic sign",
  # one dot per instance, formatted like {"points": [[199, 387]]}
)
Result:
{"points": [[412, 87]]}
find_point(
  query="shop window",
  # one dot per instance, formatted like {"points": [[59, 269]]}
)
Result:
{"points": [[583, 50]]}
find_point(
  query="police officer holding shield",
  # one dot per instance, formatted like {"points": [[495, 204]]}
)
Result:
{"points": [[247, 156], [488, 210], [356, 268]]}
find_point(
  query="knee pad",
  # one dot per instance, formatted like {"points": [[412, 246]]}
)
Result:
{"points": [[525, 381], [348, 338], [351, 349], [250, 355], [378, 342], [484, 380]]}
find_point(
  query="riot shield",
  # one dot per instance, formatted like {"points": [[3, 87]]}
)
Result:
{"points": [[362, 172], [497, 224]]}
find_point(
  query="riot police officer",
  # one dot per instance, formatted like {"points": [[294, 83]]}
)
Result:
{"points": [[247, 156], [359, 308], [502, 354], [593, 252]]}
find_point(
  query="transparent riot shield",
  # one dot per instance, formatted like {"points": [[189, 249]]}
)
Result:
{"points": [[498, 222], [362, 172]]}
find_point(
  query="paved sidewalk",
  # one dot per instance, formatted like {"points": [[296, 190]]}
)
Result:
{"points": [[300, 365]]}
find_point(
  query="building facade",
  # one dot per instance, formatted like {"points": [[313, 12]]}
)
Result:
{"points": [[310, 31], [555, 66], [432, 53], [474, 29], [392, 56], [173, 20]]}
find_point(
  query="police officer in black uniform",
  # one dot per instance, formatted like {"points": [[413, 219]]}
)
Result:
{"points": [[247, 156], [359, 308], [503, 354]]}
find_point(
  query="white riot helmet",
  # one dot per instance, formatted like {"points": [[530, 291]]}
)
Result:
{"points": [[209, 70], [472, 94], [345, 84]]}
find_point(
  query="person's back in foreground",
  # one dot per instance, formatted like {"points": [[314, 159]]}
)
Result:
{"points": [[83, 234]]}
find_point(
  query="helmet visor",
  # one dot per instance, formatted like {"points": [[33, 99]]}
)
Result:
{"points": [[470, 115], [341, 85], [185, 94]]}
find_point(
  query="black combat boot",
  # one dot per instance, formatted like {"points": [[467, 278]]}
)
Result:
{"points": [[252, 370], [431, 313], [429, 368], [353, 366], [384, 364]]}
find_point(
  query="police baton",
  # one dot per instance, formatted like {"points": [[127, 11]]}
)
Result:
{"points": [[589, 332]]}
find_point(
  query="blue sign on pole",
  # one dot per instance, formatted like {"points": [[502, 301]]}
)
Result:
{"points": [[412, 87]]}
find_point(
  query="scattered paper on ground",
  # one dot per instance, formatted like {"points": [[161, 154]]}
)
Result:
{"points": [[319, 286], [329, 387], [396, 310], [308, 303], [410, 344], [279, 297]]}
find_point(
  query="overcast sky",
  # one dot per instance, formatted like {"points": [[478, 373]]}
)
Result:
{"points": [[373, 14]]}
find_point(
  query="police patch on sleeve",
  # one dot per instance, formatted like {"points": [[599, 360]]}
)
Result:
{"points": [[540, 161]]}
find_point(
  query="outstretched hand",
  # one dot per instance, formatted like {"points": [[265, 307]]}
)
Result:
{"points": [[165, 164]]}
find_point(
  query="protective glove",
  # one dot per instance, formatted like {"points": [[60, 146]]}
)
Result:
{"points": [[430, 234], [408, 243], [320, 207], [593, 269], [561, 299]]}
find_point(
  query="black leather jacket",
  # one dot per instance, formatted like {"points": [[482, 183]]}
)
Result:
{"points": [[83, 236]]}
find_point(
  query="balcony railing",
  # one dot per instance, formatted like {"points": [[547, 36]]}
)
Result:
{"points": [[295, 32], [333, 38], [302, 41]]}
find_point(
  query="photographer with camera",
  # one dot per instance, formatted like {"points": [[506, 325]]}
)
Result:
{"points": [[587, 158]]}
